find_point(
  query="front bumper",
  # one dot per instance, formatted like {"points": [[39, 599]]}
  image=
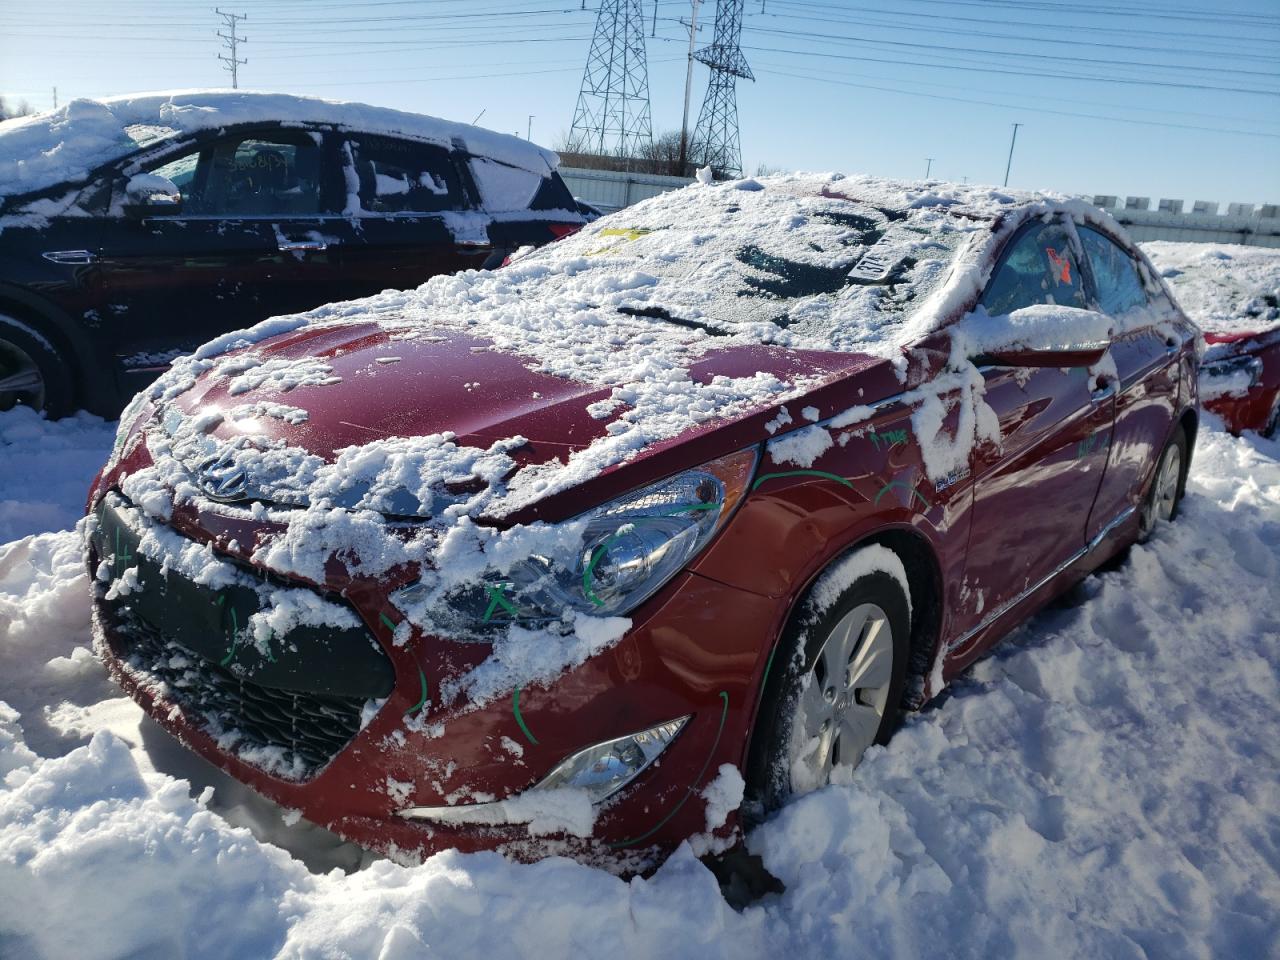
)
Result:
{"points": [[350, 756]]}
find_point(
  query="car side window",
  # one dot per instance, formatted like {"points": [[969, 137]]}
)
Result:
{"points": [[248, 176], [1038, 267], [261, 176], [401, 176], [1114, 273]]}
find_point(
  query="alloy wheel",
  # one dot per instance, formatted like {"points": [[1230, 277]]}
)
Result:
{"points": [[845, 697], [21, 381], [1164, 492]]}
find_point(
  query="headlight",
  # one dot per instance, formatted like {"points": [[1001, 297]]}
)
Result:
{"points": [[1236, 367], [626, 550]]}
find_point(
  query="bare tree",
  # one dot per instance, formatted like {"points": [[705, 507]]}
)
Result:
{"points": [[20, 109], [661, 156]]}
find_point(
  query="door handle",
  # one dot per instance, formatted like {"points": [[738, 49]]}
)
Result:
{"points": [[311, 246], [1105, 392]]}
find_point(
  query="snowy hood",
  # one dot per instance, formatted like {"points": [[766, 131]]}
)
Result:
{"points": [[65, 145], [409, 406]]}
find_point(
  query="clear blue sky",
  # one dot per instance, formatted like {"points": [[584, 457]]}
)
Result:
{"points": [[871, 86]]}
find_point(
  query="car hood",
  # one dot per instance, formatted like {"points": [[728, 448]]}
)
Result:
{"points": [[325, 390]]}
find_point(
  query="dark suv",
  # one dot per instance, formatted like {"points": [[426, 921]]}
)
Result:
{"points": [[134, 229]]}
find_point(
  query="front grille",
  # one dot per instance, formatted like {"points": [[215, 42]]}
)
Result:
{"points": [[287, 709], [288, 734]]}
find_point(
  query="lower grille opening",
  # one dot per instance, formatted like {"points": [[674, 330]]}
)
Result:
{"points": [[288, 734]]}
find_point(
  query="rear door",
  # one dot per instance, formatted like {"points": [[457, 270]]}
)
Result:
{"points": [[409, 215], [250, 239], [1034, 490], [1146, 371]]}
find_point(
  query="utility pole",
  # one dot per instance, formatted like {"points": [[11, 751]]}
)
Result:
{"points": [[929, 167], [232, 40], [528, 134], [1013, 140], [688, 85]]}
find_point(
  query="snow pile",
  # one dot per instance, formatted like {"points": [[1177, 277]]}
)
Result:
{"points": [[45, 469], [65, 145], [1226, 288], [1105, 785]]}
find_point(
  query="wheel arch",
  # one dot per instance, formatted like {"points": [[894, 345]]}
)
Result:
{"points": [[71, 341]]}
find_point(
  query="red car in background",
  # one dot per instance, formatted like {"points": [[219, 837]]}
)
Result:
{"points": [[674, 515], [1233, 293]]}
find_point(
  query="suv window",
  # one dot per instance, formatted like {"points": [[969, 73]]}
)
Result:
{"points": [[1038, 267], [248, 176], [1114, 274], [400, 176]]}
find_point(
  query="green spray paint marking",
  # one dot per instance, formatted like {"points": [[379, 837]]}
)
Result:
{"points": [[496, 599], [422, 678], [802, 473], [903, 484], [387, 622], [235, 629], [515, 708], [890, 438], [724, 712], [767, 667], [126, 556]]}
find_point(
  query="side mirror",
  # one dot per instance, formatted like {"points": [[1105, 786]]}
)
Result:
{"points": [[1086, 355], [149, 195]]}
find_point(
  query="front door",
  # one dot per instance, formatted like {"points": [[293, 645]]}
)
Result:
{"points": [[249, 240]]}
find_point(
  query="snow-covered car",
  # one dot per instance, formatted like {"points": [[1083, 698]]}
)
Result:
{"points": [[134, 229], [1233, 293], [664, 521]]}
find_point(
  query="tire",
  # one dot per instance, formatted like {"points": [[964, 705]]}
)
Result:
{"points": [[809, 710], [32, 374], [1164, 498], [1271, 429]]}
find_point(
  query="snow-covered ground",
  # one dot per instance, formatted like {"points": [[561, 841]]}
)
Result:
{"points": [[1106, 785]]}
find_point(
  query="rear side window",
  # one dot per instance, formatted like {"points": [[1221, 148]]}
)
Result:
{"points": [[401, 176], [1038, 267], [1119, 286], [504, 187], [553, 195]]}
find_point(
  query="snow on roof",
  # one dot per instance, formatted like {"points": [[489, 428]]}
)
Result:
{"points": [[65, 145], [1225, 288]]}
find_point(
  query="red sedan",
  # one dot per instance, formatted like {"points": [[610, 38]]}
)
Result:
{"points": [[651, 529], [1233, 293]]}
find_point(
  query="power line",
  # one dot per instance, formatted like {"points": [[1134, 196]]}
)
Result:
{"points": [[1022, 107]]}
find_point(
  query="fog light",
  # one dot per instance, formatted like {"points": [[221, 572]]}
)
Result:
{"points": [[599, 771], [605, 768]]}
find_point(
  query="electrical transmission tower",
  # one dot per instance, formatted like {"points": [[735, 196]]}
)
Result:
{"points": [[612, 116], [231, 40], [715, 139]]}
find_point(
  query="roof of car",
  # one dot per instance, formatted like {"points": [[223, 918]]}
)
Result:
{"points": [[64, 145]]}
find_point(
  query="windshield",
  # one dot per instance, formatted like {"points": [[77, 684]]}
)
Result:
{"points": [[807, 270]]}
